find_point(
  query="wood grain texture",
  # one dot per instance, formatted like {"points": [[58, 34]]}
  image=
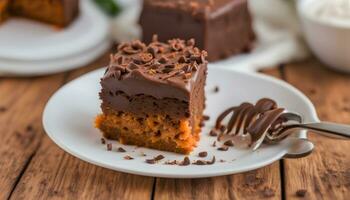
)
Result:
{"points": [[251, 185], [325, 174], [21, 106], [54, 174]]}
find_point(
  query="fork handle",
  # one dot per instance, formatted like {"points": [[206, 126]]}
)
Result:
{"points": [[328, 129]]}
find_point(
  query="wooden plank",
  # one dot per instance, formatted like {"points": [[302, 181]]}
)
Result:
{"points": [[252, 185], [53, 173], [325, 174], [261, 183], [21, 106]]}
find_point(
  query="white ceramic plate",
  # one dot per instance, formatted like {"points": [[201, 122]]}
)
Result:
{"points": [[40, 41], [69, 115], [41, 67], [28, 47]]}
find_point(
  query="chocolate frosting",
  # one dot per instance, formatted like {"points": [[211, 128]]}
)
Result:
{"points": [[202, 8], [161, 70], [251, 119]]}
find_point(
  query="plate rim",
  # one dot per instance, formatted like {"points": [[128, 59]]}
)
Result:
{"points": [[311, 111]]}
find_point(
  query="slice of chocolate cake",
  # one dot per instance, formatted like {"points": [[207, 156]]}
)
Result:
{"points": [[153, 96], [221, 27]]}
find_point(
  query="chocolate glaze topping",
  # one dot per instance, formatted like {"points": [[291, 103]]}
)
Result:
{"points": [[200, 8], [251, 119], [162, 70]]}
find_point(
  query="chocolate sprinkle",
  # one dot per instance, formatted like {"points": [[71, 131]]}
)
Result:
{"points": [[229, 143], [206, 117], [128, 157], [200, 162], [223, 148], [216, 89], [109, 147], [120, 149], [301, 193], [214, 144], [150, 161], [203, 154], [159, 157], [185, 162], [173, 162], [213, 133], [212, 161]]}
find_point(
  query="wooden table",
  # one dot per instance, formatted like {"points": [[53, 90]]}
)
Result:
{"points": [[33, 167]]}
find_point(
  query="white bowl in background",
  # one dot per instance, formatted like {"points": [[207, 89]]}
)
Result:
{"points": [[330, 42]]}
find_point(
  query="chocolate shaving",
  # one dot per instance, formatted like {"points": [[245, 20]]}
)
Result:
{"points": [[120, 60], [203, 154], [120, 149], [155, 38], [128, 157], [212, 161], [182, 59], [191, 42], [185, 162], [29, 128], [213, 133], [132, 66], [214, 144], [150, 161], [223, 148], [216, 89], [229, 143], [206, 117], [200, 162], [167, 70], [301, 193], [103, 141], [159, 157], [173, 162], [163, 60], [109, 147], [152, 50]]}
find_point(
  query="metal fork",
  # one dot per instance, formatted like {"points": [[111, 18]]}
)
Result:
{"points": [[295, 120]]}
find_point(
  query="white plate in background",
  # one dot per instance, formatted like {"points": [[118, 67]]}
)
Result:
{"points": [[26, 45], [72, 128], [42, 67]]}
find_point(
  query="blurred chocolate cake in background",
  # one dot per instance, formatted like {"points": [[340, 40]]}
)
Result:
{"points": [[56, 12], [221, 27]]}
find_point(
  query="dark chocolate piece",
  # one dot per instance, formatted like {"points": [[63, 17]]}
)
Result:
{"points": [[159, 157], [229, 143], [128, 157], [109, 147], [120, 149], [103, 141], [200, 162], [203, 154], [221, 27], [212, 161], [223, 148], [185, 162], [301, 193]]}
